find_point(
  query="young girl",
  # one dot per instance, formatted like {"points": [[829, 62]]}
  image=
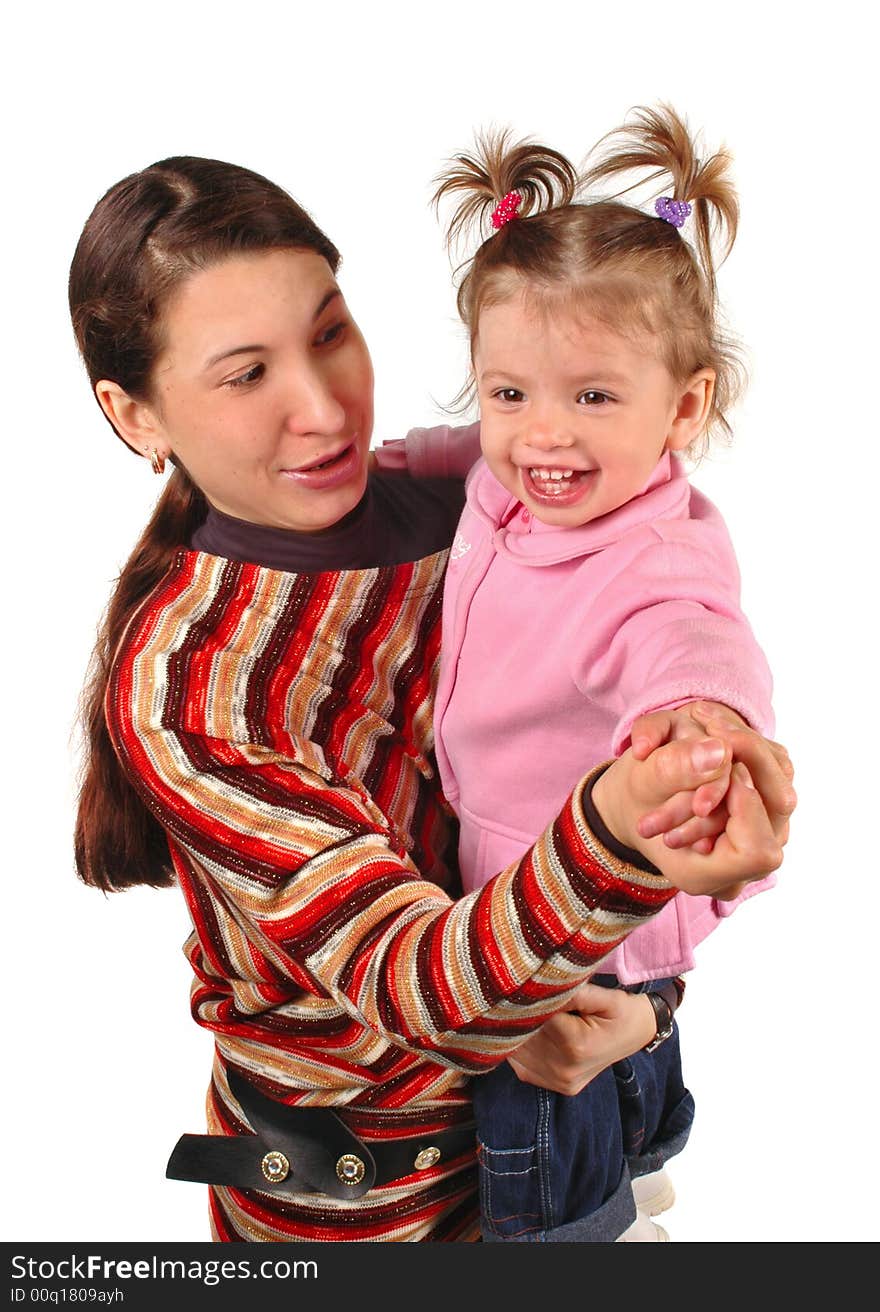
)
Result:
{"points": [[588, 584]]}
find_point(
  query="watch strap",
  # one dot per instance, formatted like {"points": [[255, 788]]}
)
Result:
{"points": [[663, 1011]]}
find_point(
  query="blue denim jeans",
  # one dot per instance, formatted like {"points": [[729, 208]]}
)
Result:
{"points": [[558, 1169]]}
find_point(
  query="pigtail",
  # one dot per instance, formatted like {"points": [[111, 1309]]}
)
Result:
{"points": [[543, 178], [660, 141]]}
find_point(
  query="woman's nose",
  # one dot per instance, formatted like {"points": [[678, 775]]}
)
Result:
{"points": [[313, 407]]}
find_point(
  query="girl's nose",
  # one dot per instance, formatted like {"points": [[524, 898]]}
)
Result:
{"points": [[548, 435]]}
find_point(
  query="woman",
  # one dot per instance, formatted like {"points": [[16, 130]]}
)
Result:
{"points": [[260, 733]]}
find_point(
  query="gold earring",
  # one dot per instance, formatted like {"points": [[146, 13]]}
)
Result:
{"points": [[157, 462]]}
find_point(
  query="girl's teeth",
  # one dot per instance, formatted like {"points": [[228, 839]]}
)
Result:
{"points": [[552, 482]]}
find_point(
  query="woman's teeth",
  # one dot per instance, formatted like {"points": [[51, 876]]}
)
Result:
{"points": [[324, 463]]}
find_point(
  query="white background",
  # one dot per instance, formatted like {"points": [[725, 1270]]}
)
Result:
{"points": [[353, 109]]}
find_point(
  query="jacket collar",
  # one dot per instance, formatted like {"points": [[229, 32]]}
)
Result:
{"points": [[666, 495]]}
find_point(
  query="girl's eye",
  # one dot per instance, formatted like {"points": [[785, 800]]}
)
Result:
{"points": [[593, 398], [512, 394], [253, 375]]}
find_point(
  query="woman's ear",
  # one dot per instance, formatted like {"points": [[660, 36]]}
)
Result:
{"points": [[692, 410], [135, 421]]}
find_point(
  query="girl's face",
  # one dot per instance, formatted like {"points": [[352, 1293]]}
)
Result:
{"points": [[264, 390], [573, 416]]}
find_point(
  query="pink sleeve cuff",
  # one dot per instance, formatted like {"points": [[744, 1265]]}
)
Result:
{"points": [[441, 452]]}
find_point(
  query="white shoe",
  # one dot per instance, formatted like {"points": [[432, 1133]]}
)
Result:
{"points": [[653, 1193], [643, 1231]]}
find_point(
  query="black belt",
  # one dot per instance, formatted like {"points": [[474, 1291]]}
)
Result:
{"points": [[299, 1150]]}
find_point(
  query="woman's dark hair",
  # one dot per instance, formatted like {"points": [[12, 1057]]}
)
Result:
{"points": [[144, 238]]}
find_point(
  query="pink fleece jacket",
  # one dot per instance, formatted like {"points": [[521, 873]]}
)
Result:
{"points": [[555, 640]]}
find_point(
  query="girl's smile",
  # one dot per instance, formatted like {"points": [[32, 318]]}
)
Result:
{"points": [[574, 417], [557, 487]]}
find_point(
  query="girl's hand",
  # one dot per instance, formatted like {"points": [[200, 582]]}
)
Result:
{"points": [[599, 1027], [697, 817], [751, 843]]}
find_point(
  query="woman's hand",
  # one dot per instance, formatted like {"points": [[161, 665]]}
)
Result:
{"points": [[599, 1027], [751, 843]]}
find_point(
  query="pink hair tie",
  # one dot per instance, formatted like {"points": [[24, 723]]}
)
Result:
{"points": [[506, 209]]}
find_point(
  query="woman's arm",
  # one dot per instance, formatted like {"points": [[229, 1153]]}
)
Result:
{"points": [[299, 879], [303, 882], [599, 1027]]}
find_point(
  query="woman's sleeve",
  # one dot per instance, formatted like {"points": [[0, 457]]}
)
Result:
{"points": [[441, 452], [306, 878]]}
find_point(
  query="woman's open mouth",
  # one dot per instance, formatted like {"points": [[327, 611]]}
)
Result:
{"points": [[334, 470]]}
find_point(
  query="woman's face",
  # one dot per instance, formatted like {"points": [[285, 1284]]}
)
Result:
{"points": [[264, 390]]}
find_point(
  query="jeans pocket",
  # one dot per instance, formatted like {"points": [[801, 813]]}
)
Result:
{"points": [[510, 1191], [513, 1151], [632, 1107], [656, 1110]]}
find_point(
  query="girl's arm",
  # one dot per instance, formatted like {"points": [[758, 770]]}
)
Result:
{"points": [[441, 452], [669, 630]]}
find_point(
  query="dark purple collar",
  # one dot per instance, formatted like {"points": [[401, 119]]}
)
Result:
{"points": [[398, 519]]}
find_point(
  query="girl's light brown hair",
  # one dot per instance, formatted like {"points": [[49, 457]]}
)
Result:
{"points": [[630, 269]]}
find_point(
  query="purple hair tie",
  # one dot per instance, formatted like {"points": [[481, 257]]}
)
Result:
{"points": [[672, 211]]}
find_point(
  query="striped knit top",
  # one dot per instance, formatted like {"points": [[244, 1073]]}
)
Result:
{"points": [[279, 726]]}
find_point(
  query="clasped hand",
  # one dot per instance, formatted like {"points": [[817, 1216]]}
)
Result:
{"points": [[708, 800], [703, 796]]}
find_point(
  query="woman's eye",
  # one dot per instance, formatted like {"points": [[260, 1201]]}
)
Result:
{"points": [[251, 376], [332, 334], [512, 394], [593, 398]]}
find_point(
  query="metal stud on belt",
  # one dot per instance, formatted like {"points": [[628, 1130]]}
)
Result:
{"points": [[350, 1169], [275, 1167]]}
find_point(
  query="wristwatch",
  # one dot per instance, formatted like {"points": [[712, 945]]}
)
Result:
{"points": [[663, 1012]]}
